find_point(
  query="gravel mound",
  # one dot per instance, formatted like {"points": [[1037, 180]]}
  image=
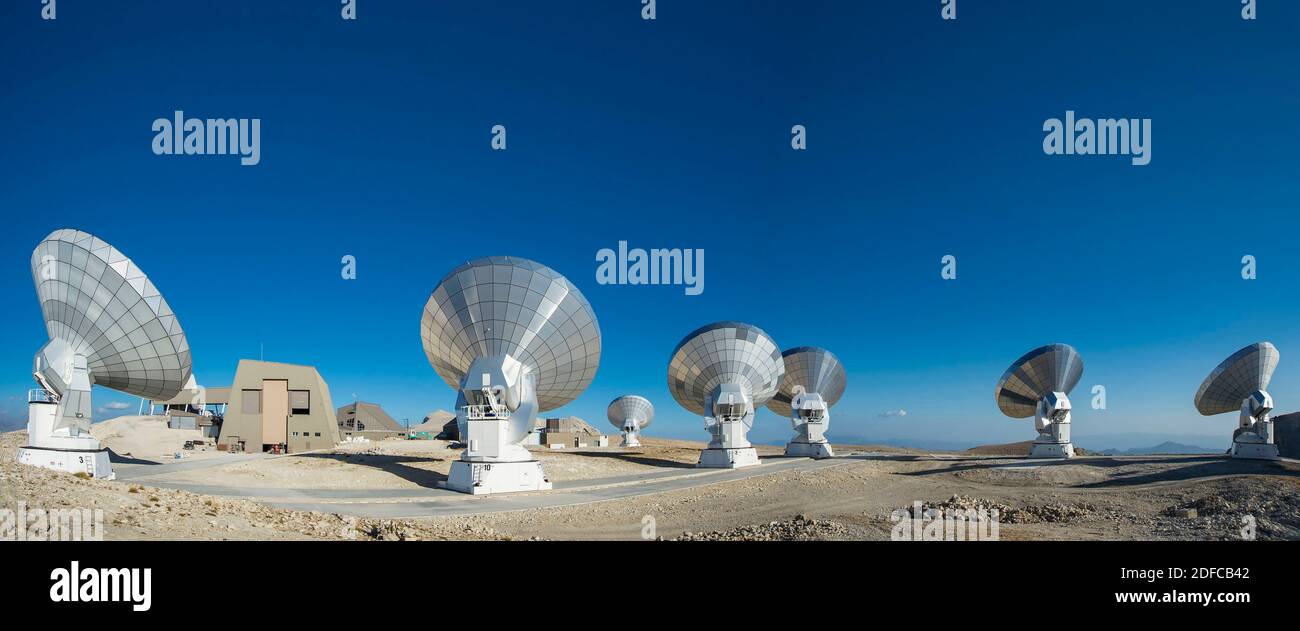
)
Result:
{"points": [[1273, 509], [1045, 513], [407, 530], [801, 528]]}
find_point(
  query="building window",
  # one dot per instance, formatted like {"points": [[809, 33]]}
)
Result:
{"points": [[299, 402], [318, 433], [252, 402]]}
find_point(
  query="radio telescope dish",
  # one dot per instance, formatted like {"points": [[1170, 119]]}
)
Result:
{"points": [[724, 352], [631, 414], [1240, 383], [814, 381], [108, 326], [816, 370], [1236, 377], [1051, 368], [723, 371], [1037, 385], [505, 305], [513, 337]]}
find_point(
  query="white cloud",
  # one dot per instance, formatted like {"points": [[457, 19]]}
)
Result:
{"points": [[892, 413], [118, 405]]}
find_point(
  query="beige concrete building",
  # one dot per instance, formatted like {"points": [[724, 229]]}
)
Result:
{"points": [[571, 431], [369, 421], [278, 404]]}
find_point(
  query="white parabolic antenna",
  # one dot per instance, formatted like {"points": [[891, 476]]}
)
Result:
{"points": [[108, 326], [1240, 383], [1038, 385], [513, 337], [813, 369], [723, 371], [814, 381], [631, 414]]}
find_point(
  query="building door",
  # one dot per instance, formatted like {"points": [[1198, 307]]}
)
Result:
{"points": [[275, 412]]}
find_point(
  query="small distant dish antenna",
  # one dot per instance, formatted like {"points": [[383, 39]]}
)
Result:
{"points": [[1240, 383], [1038, 385], [514, 338], [814, 381], [631, 414], [723, 371], [108, 326]]}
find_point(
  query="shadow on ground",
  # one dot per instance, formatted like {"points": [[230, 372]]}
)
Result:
{"points": [[1215, 466], [635, 457], [393, 465], [1179, 468], [127, 458], [898, 457]]}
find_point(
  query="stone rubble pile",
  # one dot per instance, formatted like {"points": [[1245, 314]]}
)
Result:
{"points": [[801, 528]]}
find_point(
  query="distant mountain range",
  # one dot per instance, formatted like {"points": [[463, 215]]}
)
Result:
{"points": [[1167, 447], [906, 443], [1112, 444]]}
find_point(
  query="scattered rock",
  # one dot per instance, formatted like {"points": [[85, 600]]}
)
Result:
{"points": [[1046, 513], [801, 528]]}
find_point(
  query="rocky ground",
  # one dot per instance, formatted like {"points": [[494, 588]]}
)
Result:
{"points": [[801, 528], [1138, 500], [145, 438], [1127, 498], [136, 511], [414, 464]]}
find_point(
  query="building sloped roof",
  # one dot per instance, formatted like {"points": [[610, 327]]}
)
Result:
{"points": [[434, 421], [371, 417], [450, 431]]}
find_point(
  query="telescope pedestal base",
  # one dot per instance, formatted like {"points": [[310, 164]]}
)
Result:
{"points": [[630, 440], [809, 450], [1052, 450], [71, 449], [92, 462], [1255, 451], [485, 478], [716, 458]]}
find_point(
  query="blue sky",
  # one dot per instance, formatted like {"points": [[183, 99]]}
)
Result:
{"points": [[924, 139]]}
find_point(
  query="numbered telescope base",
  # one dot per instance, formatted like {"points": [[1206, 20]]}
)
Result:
{"points": [[1052, 450], [809, 450], [90, 462], [1255, 451], [485, 478], [728, 458]]}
